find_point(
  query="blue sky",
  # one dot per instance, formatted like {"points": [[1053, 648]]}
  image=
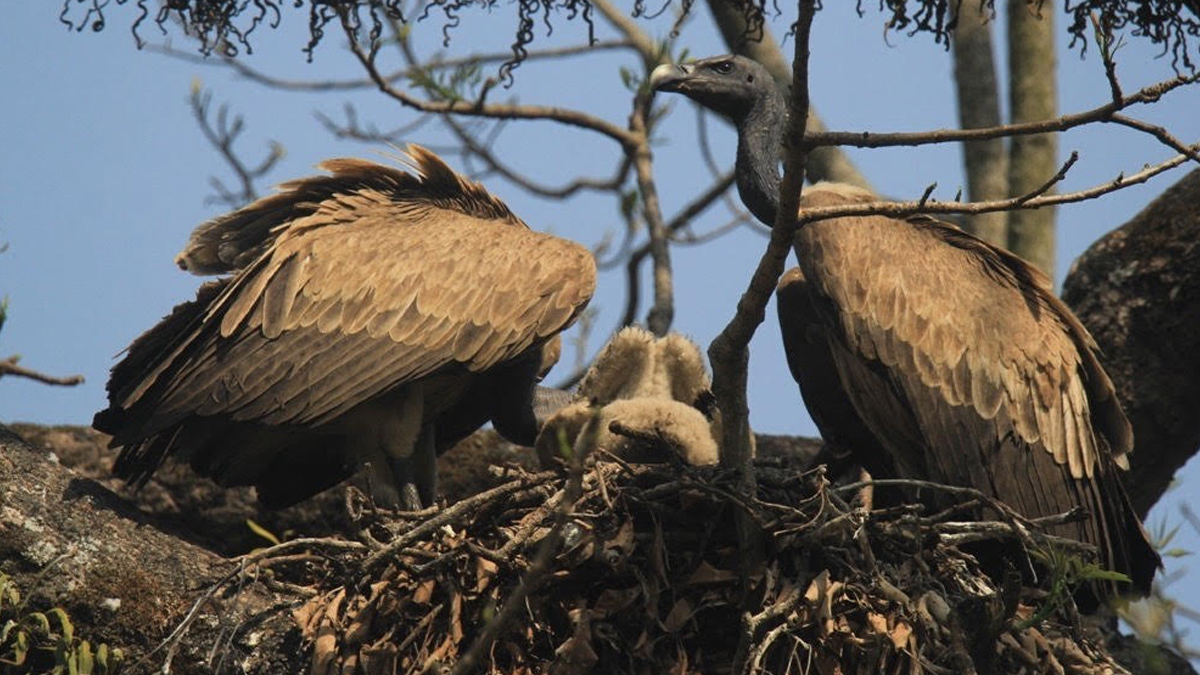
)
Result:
{"points": [[103, 172]]}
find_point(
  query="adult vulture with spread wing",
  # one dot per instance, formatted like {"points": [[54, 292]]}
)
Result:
{"points": [[929, 353], [371, 316]]}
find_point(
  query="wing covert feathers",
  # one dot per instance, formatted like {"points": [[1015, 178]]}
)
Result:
{"points": [[344, 287], [968, 358]]}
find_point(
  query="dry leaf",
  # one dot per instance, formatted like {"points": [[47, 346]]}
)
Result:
{"points": [[456, 629], [678, 616], [485, 570], [900, 634], [707, 574], [575, 656], [424, 592], [681, 662], [325, 644], [878, 622], [613, 600]]}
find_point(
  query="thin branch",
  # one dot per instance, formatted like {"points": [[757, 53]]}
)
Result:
{"points": [[479, 108], [729, 353], [663, 311], [258, 76], [472, 145], [9, 367], [867, 139], [222, 136], [547, 550], [1026, 201]]}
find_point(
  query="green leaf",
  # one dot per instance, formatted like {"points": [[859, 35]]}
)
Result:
{"points": [[68, 629], [102, 658], [1177, 553], [43, 624], [9, 590], [262, 532], [21, 648], [8, 626], [1099, 574], [84, 656]]}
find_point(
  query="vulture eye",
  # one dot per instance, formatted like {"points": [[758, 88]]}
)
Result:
{"points": [[724, 67]]}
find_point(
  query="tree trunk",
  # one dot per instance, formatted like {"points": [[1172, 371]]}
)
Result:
{"points": [[824, 163], [979, 106], [1138, 291], [1033, 95]]}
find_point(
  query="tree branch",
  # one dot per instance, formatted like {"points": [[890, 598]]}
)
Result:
{"points": [[9, 367], [868, 139], [729, 353], [1026, 201], [479, 108]]}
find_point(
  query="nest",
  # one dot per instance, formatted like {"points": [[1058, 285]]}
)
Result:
{"points": [[620, 568]]}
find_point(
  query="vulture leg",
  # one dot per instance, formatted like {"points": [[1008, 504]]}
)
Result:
{"points": [[423, 465]]}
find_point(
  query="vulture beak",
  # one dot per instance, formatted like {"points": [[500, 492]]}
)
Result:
{"points": [[670, 77]]}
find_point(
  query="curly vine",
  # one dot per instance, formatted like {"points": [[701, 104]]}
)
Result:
{"points": [[226, 25]]}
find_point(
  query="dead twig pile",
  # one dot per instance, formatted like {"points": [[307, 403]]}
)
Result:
{"points": [[635, 569]]}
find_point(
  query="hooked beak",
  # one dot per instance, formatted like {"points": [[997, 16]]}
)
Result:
{"points": [[670, 77]]}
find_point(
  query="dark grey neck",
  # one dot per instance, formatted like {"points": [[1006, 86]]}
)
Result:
{"points": [[760, 135]]}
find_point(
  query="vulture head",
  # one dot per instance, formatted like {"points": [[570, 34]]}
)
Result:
{"points": [[742, 90], [369, 319], [656, 393], [733, 86]]}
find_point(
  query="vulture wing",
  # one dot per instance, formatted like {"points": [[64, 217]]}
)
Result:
{"points": [[992, 374], [346, 287]]}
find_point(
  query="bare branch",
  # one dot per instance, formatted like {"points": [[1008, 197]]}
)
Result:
{"points": [[868, 139], [222, 136], [1026, 201], [9, 367], [274, 82], [729, 353], [480, 108]]}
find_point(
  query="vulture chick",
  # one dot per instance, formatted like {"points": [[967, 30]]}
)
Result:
{"points": [[930, 353], [371, 317], [656, 388]]}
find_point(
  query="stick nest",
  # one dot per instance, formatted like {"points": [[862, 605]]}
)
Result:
{"points": [[638, 569]]}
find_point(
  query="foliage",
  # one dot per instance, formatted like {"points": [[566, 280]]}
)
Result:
{"points": [[225, 26], [45, 642]]}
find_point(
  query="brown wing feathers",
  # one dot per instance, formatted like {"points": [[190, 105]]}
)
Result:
{"points": [[995, 375], [344, 287]]}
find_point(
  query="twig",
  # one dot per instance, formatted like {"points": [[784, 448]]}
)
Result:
{"points": [[258, 76], [867, 139], [728, 352], [9, 367], [1027, 201], [451, 514], [663, 310], [546, 551], [222, 137], [477, 108]]}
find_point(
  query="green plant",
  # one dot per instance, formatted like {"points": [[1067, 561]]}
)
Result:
{"points": [[45, 642], [1067, 573]]}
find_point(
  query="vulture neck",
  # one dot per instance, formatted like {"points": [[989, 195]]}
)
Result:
{"points": [[759, 134]]}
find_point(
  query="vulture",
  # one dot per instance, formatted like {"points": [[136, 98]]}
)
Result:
{"points": [[928, 353], [658, 388], [371, 317]]}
